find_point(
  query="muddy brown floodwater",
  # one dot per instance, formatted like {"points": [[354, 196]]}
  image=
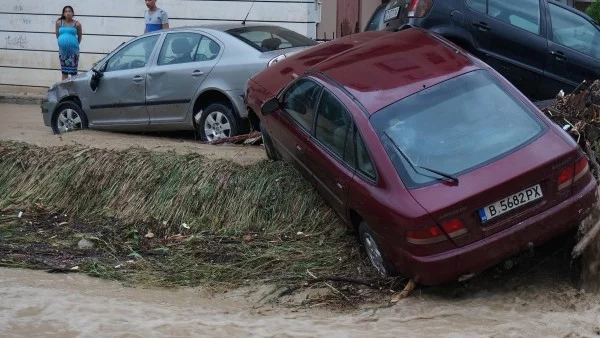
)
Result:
{"points": [[36, 304]]}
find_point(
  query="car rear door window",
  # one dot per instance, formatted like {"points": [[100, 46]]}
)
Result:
{"points": [[524, 14], [135, 55], [356, 154], [574, 31], [300, 102], [333, 121], [478, 5], [187, 47]]}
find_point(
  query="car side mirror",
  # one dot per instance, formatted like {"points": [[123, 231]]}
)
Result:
{"points": [[95, 80], [270, 106]]}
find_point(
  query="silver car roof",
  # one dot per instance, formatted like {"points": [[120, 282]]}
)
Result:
{"points": [[219, 26]]}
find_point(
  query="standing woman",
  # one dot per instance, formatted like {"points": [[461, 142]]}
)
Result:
{"points": [[68, 34]]}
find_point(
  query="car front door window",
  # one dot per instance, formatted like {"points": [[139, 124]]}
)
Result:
{"points": [[574, 31], [300, 101], [135, 55]]}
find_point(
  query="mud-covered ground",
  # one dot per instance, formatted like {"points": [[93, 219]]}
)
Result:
{"points": [[24, 123], [533, 299]]}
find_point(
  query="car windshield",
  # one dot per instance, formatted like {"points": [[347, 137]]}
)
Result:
{"points": [[454, 127], [268, 38]]}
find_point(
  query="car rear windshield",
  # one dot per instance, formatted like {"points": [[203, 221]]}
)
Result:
{"points": [[454, 127], [270, 38]]}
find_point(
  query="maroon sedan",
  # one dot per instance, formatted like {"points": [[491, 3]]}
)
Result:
{"points": [[441, 165]]}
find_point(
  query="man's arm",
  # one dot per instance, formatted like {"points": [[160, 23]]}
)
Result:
{"points": [[164, 19]]}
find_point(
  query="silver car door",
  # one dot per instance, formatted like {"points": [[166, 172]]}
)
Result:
{"points": [[121, 93], [185, 60]]}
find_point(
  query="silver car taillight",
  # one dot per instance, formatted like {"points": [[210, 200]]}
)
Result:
{"points": [[276, 60]]}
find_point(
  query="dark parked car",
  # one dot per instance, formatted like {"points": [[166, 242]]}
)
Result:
{"points": [[540, 46], [441, 165]]}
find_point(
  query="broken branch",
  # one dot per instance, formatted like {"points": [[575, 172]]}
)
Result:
{"points": [[586, 240]]}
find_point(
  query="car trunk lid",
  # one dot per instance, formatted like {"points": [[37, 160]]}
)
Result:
{"points": [[535, 167]]}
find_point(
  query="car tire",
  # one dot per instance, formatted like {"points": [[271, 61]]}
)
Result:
{"points": [[216, 122], [272, 153], [373, 250], [68, 116]]}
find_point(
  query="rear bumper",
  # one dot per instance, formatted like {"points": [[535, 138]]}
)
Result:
{"points": [[485, 253], [47, 110]]}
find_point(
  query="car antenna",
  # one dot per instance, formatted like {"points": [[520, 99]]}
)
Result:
{"points": [[244, 22]]}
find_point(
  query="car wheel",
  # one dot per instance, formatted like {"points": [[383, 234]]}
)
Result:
{"points": [[217, 121], [374, 251], [68, 116], [272, 153]]}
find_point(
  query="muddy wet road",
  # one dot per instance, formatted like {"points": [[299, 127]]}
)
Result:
{"points": [[24, 123], [38, 304]]}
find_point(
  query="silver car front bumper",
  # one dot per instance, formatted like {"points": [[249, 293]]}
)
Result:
{"points": [[47, 110]]}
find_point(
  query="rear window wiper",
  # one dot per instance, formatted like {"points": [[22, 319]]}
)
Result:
{"points": [[415, 166]]}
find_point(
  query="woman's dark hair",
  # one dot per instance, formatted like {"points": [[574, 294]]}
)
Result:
{"points": [[62, 17]]}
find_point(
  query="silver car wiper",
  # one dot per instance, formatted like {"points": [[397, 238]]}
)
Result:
{"points": [[415, 166]]}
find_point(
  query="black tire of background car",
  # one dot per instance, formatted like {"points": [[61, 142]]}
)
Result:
{"points": [[272, 153], [363, 230], [226, 110], [67, 105]]}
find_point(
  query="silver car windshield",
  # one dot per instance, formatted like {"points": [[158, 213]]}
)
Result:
{"points": [[268, 38]]}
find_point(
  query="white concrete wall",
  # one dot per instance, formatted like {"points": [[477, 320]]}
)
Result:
{"points": [[28, 49]]}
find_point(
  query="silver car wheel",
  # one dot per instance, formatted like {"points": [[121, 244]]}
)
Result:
{"points": [[68, 120], [217, 126], [374, 255]]}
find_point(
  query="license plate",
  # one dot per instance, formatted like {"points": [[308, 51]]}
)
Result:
{"points": [[509, 203], [391, 14]]}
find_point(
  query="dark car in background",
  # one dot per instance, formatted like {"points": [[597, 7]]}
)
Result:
{"points": [[540, 46], [440, 164]]}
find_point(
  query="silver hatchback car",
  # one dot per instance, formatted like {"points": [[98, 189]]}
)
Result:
{"points": [[189, 78]]}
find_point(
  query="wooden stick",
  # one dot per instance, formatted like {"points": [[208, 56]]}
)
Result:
{"points": [[410, 286], [236, 139], [586, 240]]}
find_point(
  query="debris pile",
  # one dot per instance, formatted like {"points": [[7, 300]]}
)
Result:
{"points": [[579, 114]]}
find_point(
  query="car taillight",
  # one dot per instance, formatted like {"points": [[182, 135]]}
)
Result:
{"points": [[572, 174], [419, 8], [452, 228]]}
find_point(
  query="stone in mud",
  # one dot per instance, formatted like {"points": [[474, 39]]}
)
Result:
{"points": [[85, 244]]}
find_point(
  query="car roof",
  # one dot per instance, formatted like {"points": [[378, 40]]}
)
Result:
{"points": [[219, 26], [386, 69]]}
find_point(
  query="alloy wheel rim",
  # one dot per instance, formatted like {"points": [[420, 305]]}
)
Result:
{"points": [[374, 254], [68, 120], [217, 126]]}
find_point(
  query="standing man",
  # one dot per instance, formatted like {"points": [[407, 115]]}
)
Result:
{"points": [[155, 18]]}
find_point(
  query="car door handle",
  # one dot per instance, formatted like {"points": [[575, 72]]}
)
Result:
{"points": [[138, 79], [300, 149], [482, 26], [560, 56], [197, 73], [339, 185]]}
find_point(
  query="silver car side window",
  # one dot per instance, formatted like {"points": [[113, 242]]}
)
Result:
{"points": [[135, 55], [187, 47]]}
